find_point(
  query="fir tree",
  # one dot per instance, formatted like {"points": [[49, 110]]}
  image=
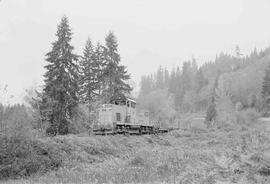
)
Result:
{"points": [[172, 82], [186, 76], [60, 95], [200, 81], [88, 77], [166, 78], [92, 73], [145, 85], [115, 74], [238, 52], [100, 60], [160, 78], [266, 84], [179, 88], [211, 112]]}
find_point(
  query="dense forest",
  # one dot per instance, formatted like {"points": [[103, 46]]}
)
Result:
{"points": [[190, 88]]}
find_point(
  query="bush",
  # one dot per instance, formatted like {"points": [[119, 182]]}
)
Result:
{"points": [[138, 160], [211, 114], [23, 157], [16, 122], [248, 116], [22, 153], [82, 120], [238, 106]]}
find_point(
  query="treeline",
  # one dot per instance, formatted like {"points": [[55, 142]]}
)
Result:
{"points": [[179, 82], [191, 87], [97, 76]]}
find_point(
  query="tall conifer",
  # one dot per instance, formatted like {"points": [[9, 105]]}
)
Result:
{"points": [[60, 95], [87, 75], [116, 75], [266, 84]]}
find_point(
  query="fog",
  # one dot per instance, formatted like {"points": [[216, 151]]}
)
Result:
{"points": [[150, 32]]}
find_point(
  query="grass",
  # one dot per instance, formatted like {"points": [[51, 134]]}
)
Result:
{"points": [[201, 157], [230, 154]]}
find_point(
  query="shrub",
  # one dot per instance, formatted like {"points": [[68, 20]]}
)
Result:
{"points": [[248, 116], [15, 122], [238, 106], [23, 157], [138, 160], [22, 153], [82, 120], [211, 114]]}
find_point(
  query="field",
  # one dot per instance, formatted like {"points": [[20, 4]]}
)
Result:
{"points": [[216, 156]]}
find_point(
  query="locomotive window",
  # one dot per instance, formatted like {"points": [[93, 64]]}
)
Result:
{"points": [[118, 117]]}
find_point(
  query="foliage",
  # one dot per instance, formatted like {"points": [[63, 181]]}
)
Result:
{"points": [[82, 120], [60, 95], [238, 106], [24, 157], [102, 77], [266, 86], [115, 74], [160, 104], [15, 121], [211, 114], [184, 85], [183, 82], [232, 157], [22, 152], [190, 101], [146, 85], [248, 117], [91, 73]]}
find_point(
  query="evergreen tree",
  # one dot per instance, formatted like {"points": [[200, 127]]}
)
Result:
{"points": [[211, 112], [88, 81], [238, 52], [145, 85], [116, 75], [100, 60], [179, 88], [186, 76], [160, 78], [166, 78], [266, 84], [193, 73], [172, 83], [200, 81], [60, 95]]}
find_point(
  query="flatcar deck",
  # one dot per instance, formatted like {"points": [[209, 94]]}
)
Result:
{"points": [[130, 129]]}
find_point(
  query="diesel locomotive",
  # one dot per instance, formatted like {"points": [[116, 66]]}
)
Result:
{"points": [[122, 117]]}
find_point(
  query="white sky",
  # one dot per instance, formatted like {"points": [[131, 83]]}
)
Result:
{"points": [[150, 32]]}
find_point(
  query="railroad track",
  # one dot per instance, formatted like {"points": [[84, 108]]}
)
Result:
{"points": [[131, 130]]}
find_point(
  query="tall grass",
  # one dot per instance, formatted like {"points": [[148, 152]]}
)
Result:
{"points": [[21, 152]]}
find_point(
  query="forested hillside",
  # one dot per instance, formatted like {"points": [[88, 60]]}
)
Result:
{"points": [[189, 88]]}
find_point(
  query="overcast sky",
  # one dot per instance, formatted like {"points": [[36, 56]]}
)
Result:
{"points": [[150, 32]]}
